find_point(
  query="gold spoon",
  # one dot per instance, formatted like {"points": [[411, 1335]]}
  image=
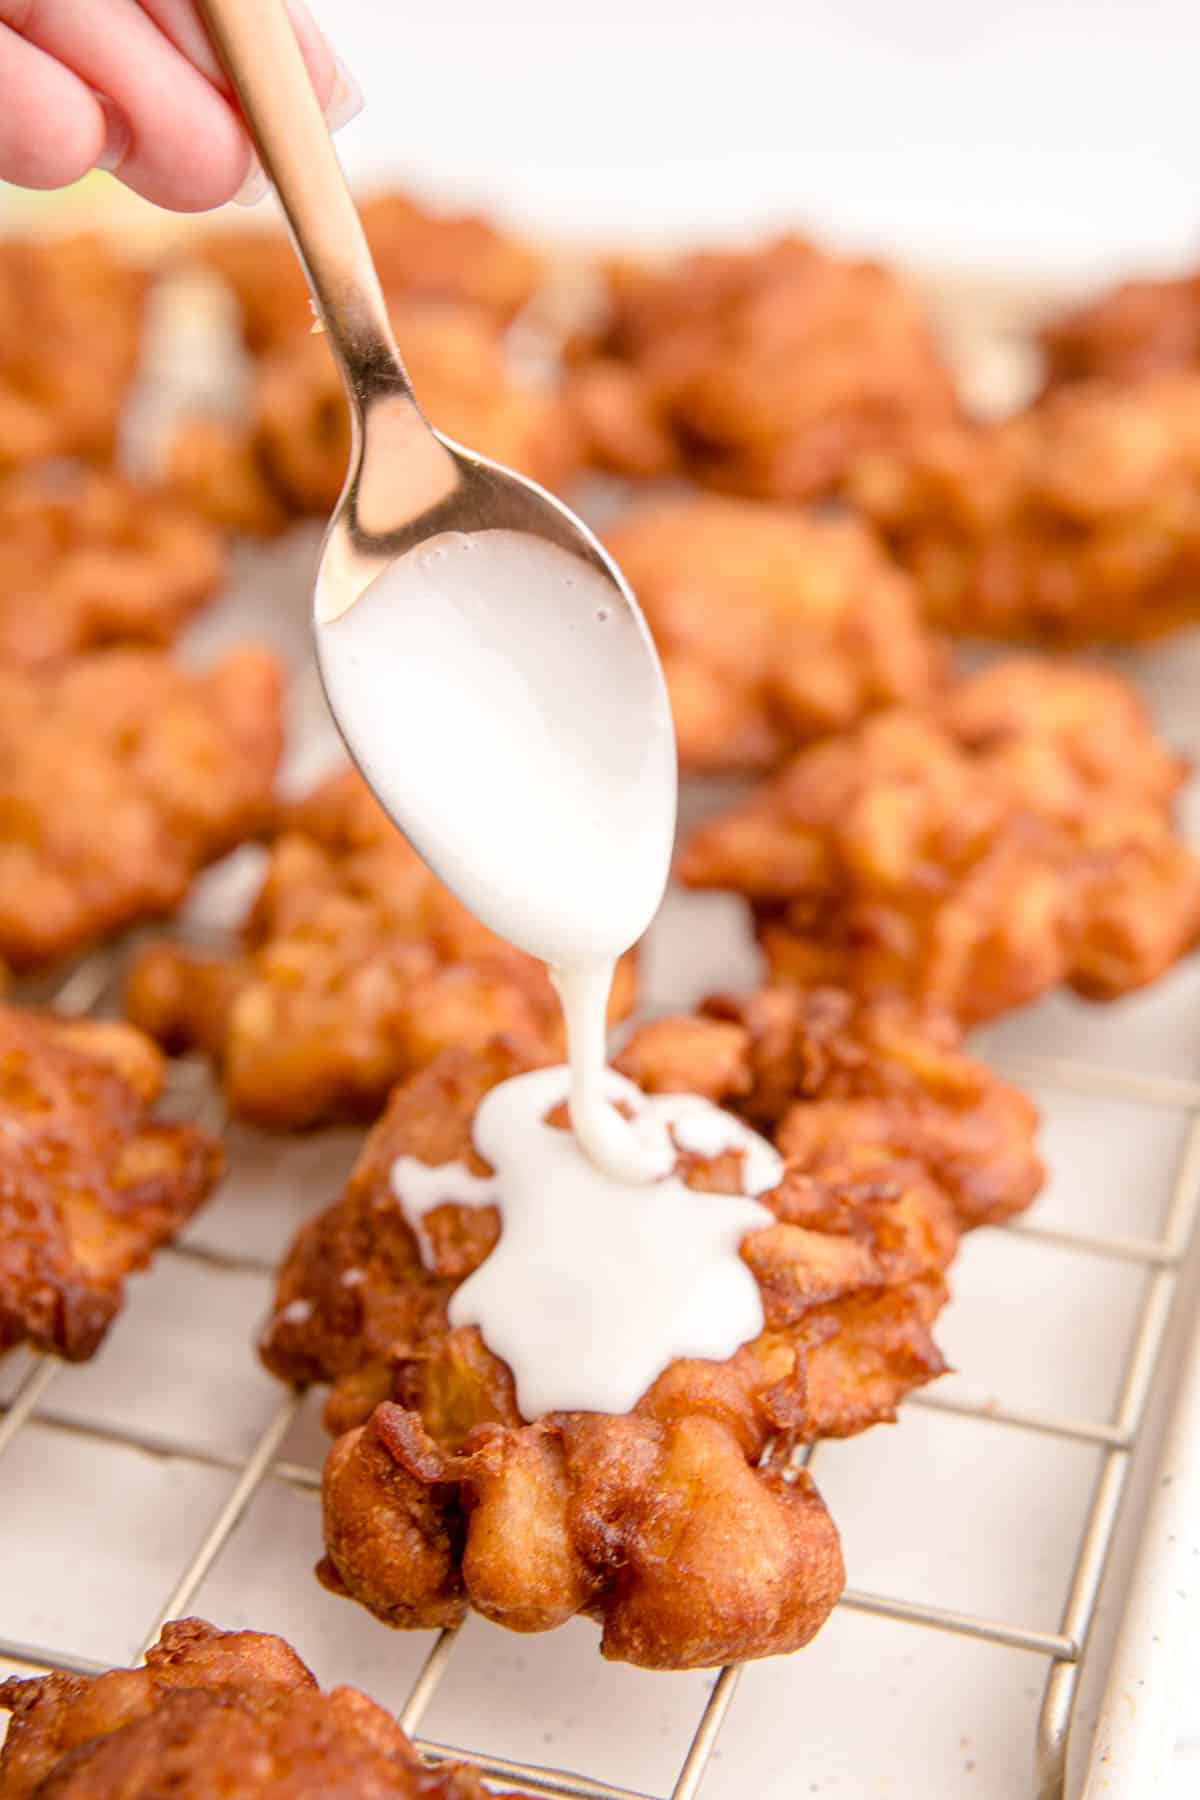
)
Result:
{"points": [[408, 484]]}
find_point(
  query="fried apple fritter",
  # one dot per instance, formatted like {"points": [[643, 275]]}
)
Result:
{"points": [[357, 967], [90, 1183], [89, 559], [121, 775], [681, 1526], [70, 337], [290, 458], [1076, 521], [418, 254], [763, 371], [972, 857], [212, 1714], [1139, 329], [841, 1082], [774, 628]]}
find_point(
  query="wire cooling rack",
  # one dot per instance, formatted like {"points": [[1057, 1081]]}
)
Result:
{"points": [[1119, 1067], [1061, 1649]]}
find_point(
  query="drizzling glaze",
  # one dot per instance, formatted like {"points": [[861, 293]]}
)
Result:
{"points": [[597, 1283], [601, 1130], [475, 672]]}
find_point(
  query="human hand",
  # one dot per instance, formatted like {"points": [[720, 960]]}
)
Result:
{"points": [[135, 86]]}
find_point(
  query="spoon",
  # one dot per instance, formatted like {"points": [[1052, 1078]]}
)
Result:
{"points": [[570, 671], [486, 663]]}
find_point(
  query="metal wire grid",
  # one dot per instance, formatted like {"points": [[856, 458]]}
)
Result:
{"points": [[1161, 1258]]}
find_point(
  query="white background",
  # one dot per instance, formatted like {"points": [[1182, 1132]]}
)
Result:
{"points": [[1014, 134]]}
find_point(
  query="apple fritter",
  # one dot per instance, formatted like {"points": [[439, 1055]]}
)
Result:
{"points": [[290, 457], [684, 1526], [774, 628], [356, 967], [762, 371], [90, 1183], [421, 254], [70, 338], [89, 559], [973, 856], [1135, 330], [1075, 521], [212, 1714], [121, 775]]}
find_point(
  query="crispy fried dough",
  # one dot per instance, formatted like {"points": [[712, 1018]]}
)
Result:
{"points": [[70, 336], [974, 856], [90, 1183], [846, 1086], [1135, 330], [89, 559], [774, 628], [679, 1526], [764, 371], [1077, 521], [121, 775], [212, 1714]]}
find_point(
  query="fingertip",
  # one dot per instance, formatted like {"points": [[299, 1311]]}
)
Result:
{"points": [[36, 88], [75, 152], [194, 170]]}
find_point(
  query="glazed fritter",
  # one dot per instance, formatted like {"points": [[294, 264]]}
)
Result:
{"points": [[845, 1084], [1075, 521], [683, 1526], [425, 255], [211, 1715], [290, 457], [764, 371], [89, 559], [90, 1183], [774, 627], [1139, 329], [121, 775], [70, 336], [357, 966], [973, 856]]}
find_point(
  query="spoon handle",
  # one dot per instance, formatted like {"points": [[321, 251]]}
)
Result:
{"points": [[258, 47]]}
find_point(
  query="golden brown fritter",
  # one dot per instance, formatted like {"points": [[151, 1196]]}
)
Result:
{"points": [[1018, 836], [679, 1526], [774, 628], [121, 775], [426, 255], [763, 371], [88, 559], [213, 1714], [357, 967], [90, 1183], [844, 1084], [1076, 521], [1138, 329], [70, 337], [291, 456]]}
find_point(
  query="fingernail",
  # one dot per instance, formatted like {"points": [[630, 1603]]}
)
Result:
{"points": [[255, 185], [117, 136], [346, 100]]}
